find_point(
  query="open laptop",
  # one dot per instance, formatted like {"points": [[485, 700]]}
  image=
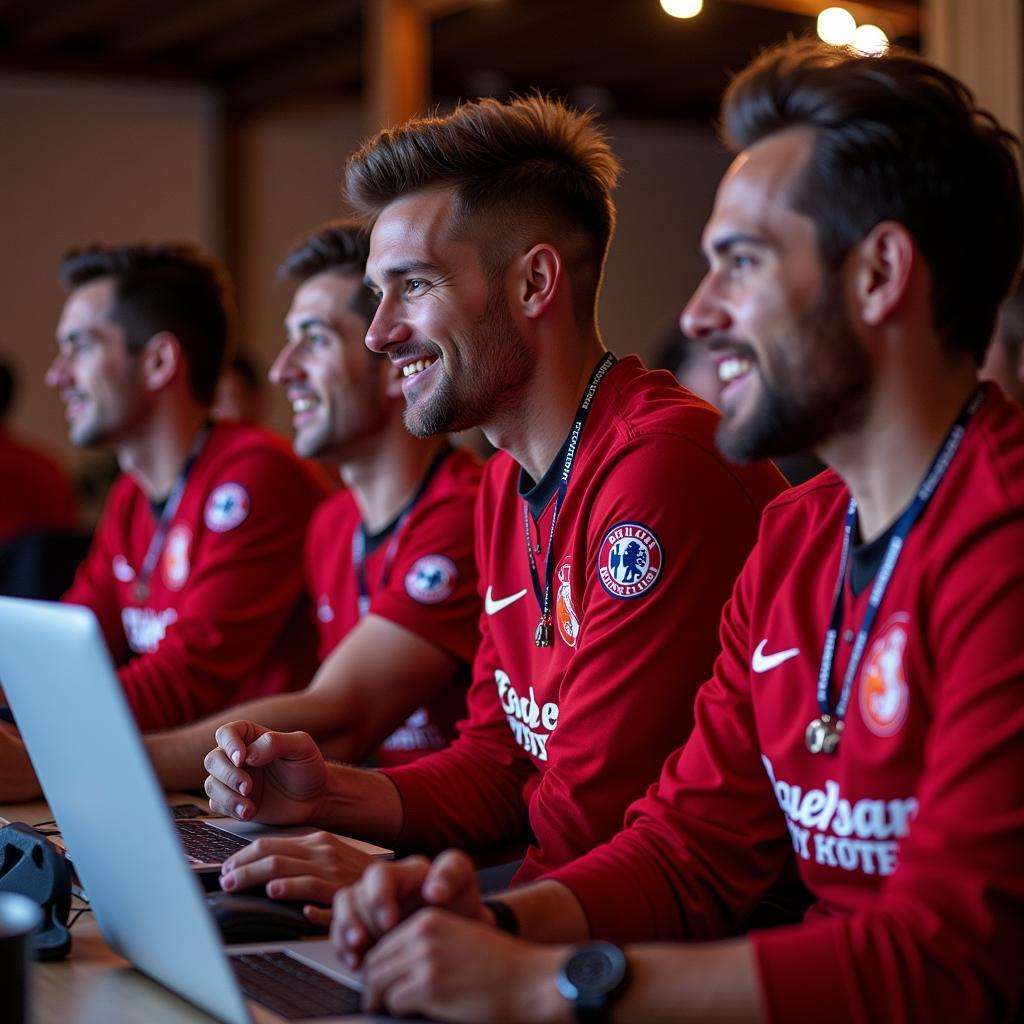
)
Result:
{"points": [[95, 774]]}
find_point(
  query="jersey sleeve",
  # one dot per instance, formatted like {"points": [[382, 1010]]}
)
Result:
{"points": [[641, 654], [944, 940], [93, 585], [432, 587], [243, 589], [700, 848], [471, 794]]}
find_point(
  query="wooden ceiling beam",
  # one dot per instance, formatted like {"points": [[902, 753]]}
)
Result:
{"points": [[53, 25]]}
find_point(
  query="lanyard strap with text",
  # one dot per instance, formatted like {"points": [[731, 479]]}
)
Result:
{"points": [[823, 733], [156, 545], [359, 538], [542, 636]]}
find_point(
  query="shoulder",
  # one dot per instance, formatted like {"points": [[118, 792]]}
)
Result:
{"points": [[257, 457]]}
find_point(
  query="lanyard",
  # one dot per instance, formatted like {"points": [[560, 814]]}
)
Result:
{"points": [[359, 538], [542, 635], [823, 733], [156, 544]]}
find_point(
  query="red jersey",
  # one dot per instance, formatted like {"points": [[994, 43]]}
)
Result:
{"points": [[654, 528], [225, 617], [911, 837], [419, 574], [36, 494]]}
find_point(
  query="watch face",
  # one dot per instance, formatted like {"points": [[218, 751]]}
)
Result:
{"points": [[594, 970]]}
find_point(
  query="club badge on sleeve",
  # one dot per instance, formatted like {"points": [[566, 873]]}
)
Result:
{"points": [[629, 560], [227, 506], [431, 579]]}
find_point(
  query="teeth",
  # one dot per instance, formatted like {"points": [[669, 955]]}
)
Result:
{"points": [[302, 404], [730, 369], [418, 367]]}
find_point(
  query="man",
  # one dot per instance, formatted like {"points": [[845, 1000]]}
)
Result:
{"points": [[859, 323], [1004, 361], [608, 528], [389, 560], [195, 572]]}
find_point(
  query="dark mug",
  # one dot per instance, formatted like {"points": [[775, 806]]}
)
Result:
{"points": [[19, 918]]}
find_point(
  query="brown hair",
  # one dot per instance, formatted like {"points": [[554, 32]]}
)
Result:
{"points": [[895, 138], [515, 168]]}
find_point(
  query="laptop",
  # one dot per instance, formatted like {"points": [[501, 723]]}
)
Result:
{"points": [[101, 788]]}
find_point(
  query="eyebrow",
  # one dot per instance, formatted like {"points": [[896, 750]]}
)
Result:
{"points": [[75, 335], [312, 321], [722, 245], [401, 270]]}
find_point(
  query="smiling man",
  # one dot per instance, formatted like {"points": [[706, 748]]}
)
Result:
{"points": [[865, 715], [195, 571], [608, 529]]}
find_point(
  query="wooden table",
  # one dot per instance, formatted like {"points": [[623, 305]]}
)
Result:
{"points": [[94, 985]]}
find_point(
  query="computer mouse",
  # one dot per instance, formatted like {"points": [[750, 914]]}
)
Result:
{"points": [[249, 918]]}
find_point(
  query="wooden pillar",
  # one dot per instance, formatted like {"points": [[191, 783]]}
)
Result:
{"points": [[397, 61]]}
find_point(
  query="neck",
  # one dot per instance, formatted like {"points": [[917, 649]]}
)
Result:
{"points": [[885, 459], [534, 430], [387, 473], [155, 455]]}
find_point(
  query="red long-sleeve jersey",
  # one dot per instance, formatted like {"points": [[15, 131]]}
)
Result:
{"points": [[420, 574], [654, 528], [911, 838], [225, 617]]}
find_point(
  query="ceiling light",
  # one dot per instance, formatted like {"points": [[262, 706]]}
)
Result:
{"points": [[836, 26], [870, 40], [682, 8]]}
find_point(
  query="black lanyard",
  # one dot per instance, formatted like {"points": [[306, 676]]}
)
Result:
{"points": [[823, 733], [542, 635], [359, 538], [156, 545]]}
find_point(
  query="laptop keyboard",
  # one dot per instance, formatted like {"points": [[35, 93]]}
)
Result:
{"points": [[206, 845], [291, 988]]}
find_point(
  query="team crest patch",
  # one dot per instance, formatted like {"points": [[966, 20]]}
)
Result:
{"points": [[629, 562], [175, 560], [226, 507], [566, 619], [431, 579], [884, 694]]}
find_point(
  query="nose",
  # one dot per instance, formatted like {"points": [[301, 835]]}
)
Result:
{"points": [[386, 328], [58, 374], [704, 315], [285, 367]]}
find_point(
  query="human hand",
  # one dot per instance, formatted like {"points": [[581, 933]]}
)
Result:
{"points": [[273, 777], [389, 892], [447, 968], [309, 868]]}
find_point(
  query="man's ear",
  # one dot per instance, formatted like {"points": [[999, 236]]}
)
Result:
{"points": [[161, 358], [541, 276], [883, 262]]}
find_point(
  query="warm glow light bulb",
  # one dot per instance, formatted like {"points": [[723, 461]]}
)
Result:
{"points": [[836, 26], [682, 8], [870, 40]]}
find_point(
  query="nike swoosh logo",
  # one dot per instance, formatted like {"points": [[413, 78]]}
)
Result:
{"points": [[492, 607], [762, 662]]}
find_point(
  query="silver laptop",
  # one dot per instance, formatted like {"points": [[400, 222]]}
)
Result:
{"points": [[92, 766]]}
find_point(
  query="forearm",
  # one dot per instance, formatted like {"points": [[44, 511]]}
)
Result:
{"points": [[360, 803], [712, 984], [178, 754], [547, 912]]}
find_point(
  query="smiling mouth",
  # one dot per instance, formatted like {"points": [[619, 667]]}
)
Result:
{"points": [[733, 368], [417, 366]]}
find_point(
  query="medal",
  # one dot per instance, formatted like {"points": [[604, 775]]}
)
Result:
{"points": [[822, 736]]}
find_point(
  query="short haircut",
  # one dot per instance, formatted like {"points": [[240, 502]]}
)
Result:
{"points": [[518, 171], [1011, 319], [173, 287], [337, 247], [895, 138]]}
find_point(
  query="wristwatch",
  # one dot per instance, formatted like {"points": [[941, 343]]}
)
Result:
{"points": [[591, 978]]}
